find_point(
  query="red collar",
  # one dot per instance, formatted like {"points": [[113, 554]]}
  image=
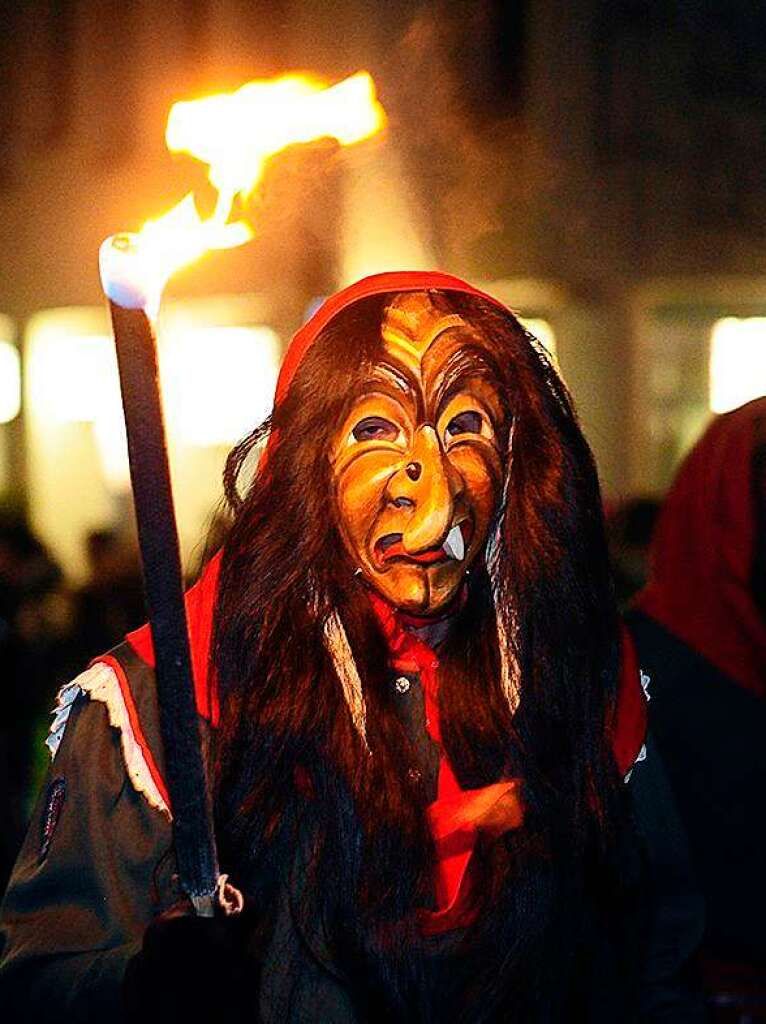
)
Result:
{"points": [[408, 652]]}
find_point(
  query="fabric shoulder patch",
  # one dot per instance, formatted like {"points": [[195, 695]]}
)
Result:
{"points": [[99, 682], [54, 803]]}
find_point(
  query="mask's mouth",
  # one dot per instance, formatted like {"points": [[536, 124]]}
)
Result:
{"points": [[390, 548]]}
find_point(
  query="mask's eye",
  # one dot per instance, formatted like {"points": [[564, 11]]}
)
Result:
{"points": [[375, 428], [464, 423]]}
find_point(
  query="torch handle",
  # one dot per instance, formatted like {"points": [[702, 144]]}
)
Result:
{"points": [[186, 777]]}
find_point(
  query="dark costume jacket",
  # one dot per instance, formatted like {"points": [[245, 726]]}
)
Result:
{"points": [[97, 865]]}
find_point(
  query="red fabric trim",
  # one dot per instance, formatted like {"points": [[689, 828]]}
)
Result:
{"points": [[135, 724], [200, 606], [630, 719]]}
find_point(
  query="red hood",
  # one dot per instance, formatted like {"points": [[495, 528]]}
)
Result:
{"points": [[378, 284], [703, 550]]}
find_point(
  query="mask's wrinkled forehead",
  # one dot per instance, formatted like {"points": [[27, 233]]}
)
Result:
{"points": [[411, 324]]}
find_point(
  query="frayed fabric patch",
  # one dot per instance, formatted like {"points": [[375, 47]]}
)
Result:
{"points": [[64, 701], [100, 683], [54, 803]]}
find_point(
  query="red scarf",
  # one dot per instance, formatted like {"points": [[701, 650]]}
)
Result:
{"points": [[453, 816], [457, 815]]}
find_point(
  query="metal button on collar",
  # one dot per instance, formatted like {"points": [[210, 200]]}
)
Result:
{"points": [[402, 684]]}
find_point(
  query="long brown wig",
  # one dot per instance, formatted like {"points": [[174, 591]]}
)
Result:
{"points": [[304, 804]]}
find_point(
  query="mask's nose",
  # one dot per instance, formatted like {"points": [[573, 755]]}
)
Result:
{"points": [[429, 485]]}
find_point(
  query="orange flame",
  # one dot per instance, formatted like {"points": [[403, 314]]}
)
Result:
{"points": [[235, 134]]}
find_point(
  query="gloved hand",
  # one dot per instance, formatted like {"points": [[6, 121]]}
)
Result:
{"points": [[193, 968]]}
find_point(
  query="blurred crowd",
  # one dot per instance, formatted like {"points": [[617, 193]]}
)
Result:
{"points": [[690, 578], [49, 630]]}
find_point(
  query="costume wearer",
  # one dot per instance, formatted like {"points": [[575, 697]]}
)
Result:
{"points": [[419, 756], [700, 623]]}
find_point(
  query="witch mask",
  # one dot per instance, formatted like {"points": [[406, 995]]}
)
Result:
{"points": [[417, 467]]}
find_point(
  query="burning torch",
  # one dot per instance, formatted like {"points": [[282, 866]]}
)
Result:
{"points": [[235, 134]]}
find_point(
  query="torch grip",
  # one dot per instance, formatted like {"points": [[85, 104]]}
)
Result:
{"points": [[186, 775]]}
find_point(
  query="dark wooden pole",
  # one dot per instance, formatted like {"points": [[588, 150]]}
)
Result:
{"points": [[185, 772]]}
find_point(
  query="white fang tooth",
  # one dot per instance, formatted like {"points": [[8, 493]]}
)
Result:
{"points": [[454, 545]]}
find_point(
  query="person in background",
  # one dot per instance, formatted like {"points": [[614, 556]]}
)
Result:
{"points": [[35, 619], [111, 602], [630, 527], [700, 629]]}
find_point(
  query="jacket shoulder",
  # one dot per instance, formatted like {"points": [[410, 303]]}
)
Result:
{"points": [[126, 687]]}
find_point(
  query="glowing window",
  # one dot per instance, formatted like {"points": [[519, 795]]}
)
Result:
{"points": [[218, 375], [218, 381], [737, 362], [10, 382], [73, 377]]}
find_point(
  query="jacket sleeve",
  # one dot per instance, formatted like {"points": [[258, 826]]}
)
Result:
{"points": [[671, 992], [83, 888]]}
